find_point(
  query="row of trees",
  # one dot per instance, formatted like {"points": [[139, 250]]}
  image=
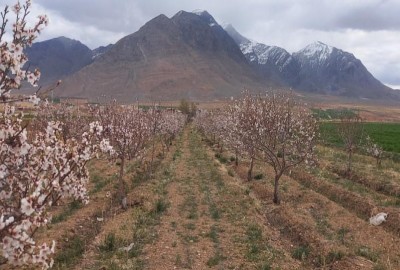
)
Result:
{"points": [[276, 129], [132, 132], [273, 128], [44, 160]]}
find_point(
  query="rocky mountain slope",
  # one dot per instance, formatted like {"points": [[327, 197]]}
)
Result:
{"points": [[186, 56], [100, 50], [58, 58], [317, 68], [326, 69]]}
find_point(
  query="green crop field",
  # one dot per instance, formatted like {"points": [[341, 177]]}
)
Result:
{"points": [[330, 114], [387, 135]]}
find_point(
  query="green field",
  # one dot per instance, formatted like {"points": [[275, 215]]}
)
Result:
{"points": [[387, 135], [330, 114]]}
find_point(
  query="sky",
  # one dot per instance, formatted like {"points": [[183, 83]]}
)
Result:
{"points": [[370, 29]]}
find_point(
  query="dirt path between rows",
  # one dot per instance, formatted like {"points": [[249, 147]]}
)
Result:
{"points": [[211, 222]]}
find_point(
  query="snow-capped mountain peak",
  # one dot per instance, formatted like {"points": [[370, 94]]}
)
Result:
{"points": [[317, 49], [206, 16], [199, 12], [259, 53]]}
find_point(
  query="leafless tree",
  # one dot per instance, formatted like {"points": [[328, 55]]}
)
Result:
{"points": [[351, 131]]}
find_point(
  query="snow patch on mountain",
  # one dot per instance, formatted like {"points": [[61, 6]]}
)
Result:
{"points": [[317, 50], [199, 11], [263, 54]]}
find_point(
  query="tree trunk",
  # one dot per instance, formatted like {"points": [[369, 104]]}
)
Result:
{"points": [[152, 159], [277, 199], [236, 158], [349, 163], [250, 172], [122, 190], [378, 161]]}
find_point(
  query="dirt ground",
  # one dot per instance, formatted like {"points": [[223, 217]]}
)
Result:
{"points": [[210, 221], [195, 211]]}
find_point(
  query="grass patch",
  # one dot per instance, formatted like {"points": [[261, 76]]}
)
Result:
{"points": [[215, 260], [341, 235], [99, 183], [72, 208], [190, 205], [161, 206], [257, 248], [190, 226], [331, 257], [214, 212], [265, 266], [72, 251], [301, 253], [213, 234], [221, 158], [367, 253], [109, 243]]}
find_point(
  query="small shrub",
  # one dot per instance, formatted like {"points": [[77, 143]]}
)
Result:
{"points": [[231, 173], [266, 266], [161, 206], [301, 253], [232, 159], [215, 260], [258, 176], [341, 234], [332, 256], [110, 243], [215, 214], [213, 234], [367, 253], [221, 158]]}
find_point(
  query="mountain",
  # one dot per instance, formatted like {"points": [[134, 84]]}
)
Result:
{"points": [[326, 69], [317, 68], [191, 56], [100, 50], [58, 58], [274, 63], [186, 56]]}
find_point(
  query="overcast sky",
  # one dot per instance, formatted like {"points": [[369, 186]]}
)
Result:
{"points": [[370, 29]]}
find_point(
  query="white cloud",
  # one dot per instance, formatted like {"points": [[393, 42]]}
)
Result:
{"points": [[394, 86]]}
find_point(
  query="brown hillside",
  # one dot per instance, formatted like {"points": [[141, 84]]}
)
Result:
{"points": [[167, 59]]}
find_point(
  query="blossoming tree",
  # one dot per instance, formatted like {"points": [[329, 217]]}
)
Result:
{"points": [[35, 170], [171, 124], [374, 150], [286, 134], [129, 130], [243, 114]]}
